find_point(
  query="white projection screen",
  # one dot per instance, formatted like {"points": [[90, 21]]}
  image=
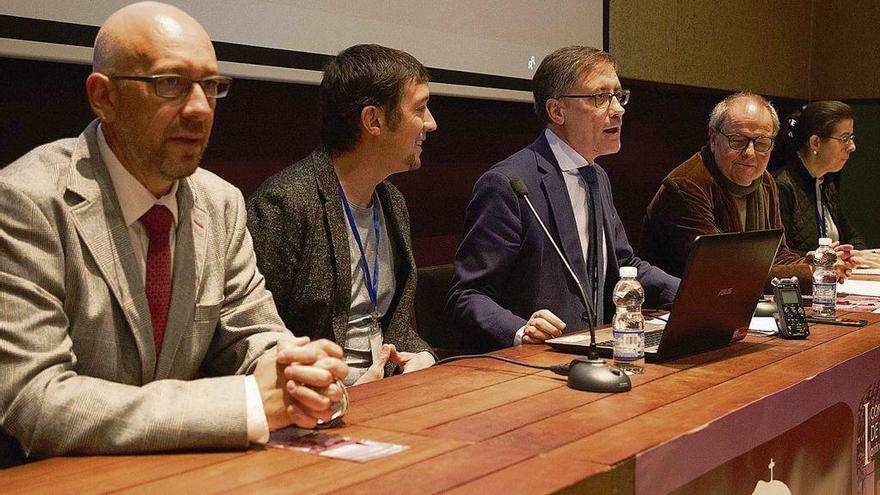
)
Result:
{"points": [[474, 48]]}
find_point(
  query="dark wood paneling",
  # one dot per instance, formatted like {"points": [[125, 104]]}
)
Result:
{"points": [[40, 102], [472, 135], [861, 175], [265, 126]]}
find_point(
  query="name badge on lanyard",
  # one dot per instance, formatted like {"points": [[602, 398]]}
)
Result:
{"points": [[372, 282]]}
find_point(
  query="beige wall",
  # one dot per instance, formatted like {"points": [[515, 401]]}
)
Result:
{"points": [[847, 42], [757, 45]]}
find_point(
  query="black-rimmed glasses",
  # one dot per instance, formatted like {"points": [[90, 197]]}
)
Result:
{"points": [[602, 100], [175, 86], [738, 142], [846, 139]]}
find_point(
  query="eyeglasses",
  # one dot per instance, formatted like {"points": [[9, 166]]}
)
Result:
{"points": [[602, 100], [174, 86], [738, 142], [846, 139]]}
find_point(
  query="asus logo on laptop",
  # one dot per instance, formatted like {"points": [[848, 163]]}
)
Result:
{"points": [[725, 292]]}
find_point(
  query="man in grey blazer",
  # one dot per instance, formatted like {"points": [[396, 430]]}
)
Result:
{"points": [[116, 339], [332, 234]]}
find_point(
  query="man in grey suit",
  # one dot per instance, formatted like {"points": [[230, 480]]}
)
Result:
{"points": [[332, 234], [132, 315]]}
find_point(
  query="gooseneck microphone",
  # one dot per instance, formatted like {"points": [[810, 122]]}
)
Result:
{"points": [[591, 374], [523, 192]]}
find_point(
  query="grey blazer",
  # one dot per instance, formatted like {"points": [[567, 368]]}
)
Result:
{"points": [[78, 370], [301, 241]]}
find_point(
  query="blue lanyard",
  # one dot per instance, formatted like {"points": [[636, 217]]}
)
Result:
{"points": [[822, 231], [372, 283]]}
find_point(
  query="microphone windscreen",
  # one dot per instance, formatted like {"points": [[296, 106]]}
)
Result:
{"points": [[519, 187]]}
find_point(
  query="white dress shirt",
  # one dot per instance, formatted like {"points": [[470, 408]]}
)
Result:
{"points": [[134, 201], [578, 191]]}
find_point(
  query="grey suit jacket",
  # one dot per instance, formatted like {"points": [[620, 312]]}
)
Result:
{"points": [[301, 240], [78, 370]]}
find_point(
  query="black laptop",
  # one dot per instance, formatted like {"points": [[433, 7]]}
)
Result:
{"points": [[723, 280]]}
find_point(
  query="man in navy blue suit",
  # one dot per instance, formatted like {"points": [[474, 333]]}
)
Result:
{"points": [[510, 286]]}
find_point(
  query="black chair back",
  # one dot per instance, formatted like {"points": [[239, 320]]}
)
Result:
{"points": [[431, 322]]}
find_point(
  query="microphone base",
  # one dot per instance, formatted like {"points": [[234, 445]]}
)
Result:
{"points": [[595, 375]]}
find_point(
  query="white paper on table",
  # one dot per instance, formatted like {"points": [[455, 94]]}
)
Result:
{"points": [[656, 323], [765, 325], [759, 324], [326, 444], [363, 450], [861, 287]]}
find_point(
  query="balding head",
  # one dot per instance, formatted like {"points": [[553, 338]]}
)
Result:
{"points": [[158, 138], [739, 129], [719, 116], [127, 39]]}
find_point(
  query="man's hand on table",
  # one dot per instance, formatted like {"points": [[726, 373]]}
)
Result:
{"points": [[376, 371], [541, 326], [412, 361], [297, 381]]}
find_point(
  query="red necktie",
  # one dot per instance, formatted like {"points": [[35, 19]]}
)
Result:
{"points": [[158, 221]]}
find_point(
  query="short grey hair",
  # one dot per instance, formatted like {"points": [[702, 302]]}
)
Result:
{"points": [[718, 117], [108, 53], [559, 71]]}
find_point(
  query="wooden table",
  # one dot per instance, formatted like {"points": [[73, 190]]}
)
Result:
{"points": [[481, 426]]}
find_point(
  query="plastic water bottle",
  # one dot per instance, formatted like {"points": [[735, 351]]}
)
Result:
{"points": [[628, 322], [824, 279]]}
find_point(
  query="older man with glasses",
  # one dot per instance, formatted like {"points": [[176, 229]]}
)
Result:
{"points": [[133, 316], [725, 187], [510, 287]]}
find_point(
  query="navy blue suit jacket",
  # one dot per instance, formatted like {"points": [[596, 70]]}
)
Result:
{"points": [[505, 268]]}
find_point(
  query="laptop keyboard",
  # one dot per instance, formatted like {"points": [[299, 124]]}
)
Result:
{"points": [[652, 339]]}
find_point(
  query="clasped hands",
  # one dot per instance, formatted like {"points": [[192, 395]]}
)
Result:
{"points": [[846, 260], [298, 381]]}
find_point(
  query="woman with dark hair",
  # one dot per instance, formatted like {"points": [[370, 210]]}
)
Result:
{"points": [[816, 143]]}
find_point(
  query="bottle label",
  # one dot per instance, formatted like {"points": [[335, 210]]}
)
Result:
{"points": [[629, 346], [824, 296]]}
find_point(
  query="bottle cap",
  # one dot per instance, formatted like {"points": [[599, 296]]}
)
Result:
{"points": [[628, 272], [824, 241]]}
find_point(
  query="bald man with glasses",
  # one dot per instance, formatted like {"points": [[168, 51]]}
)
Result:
{"points": [[132, 314], [725, 187]]}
